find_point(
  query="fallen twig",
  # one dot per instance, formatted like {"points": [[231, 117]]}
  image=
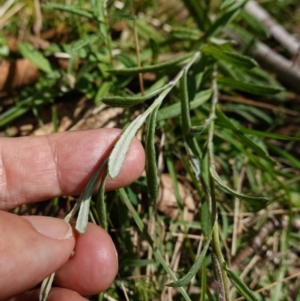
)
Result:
{"points": [[285, 70], [258, 104], [279, 33]]}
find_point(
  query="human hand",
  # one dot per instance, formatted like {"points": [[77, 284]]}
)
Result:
{"points": [[31, 248]]}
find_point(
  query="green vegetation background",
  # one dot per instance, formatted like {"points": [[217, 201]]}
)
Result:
{"points": [[210, 117]]}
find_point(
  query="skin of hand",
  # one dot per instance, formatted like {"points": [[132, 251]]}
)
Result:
{"points": [[34, 169]]}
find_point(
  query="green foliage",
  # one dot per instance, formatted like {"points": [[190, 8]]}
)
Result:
{"points": [[230, 154], [29, 52], [151, 164], [241, 286]]}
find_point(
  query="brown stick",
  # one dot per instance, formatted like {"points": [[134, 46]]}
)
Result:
{"points": [[279, 33], [271, 226], [286, 71]]}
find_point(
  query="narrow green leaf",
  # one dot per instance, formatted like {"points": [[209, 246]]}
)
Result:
{"points": [[155, 50], [147, 31], [152, 68], [83, 202], [227, 3], [257, 27], [245, 35], [240, 285], [199, 13], [221, 44], [96, 8], [258, 161], [151, 166], [203, 280], [174, 110], [128, 60], [249, 87], [36, 57], [255, 202], [120, 16], [119, 152], [206, 224], [194, 269], [83, 215], [232, 58], [251, 113], [120, 149], [230, 13], [103, 90], [185, 105], [295, 162], [268, 135], [128, 101], [101, 205], [186, 33], [190, 142], [85, 41], [173, 174], [240, 135], [70, 9], [20, 109], [201, 128]]}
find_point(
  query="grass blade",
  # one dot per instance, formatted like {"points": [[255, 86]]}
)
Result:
{"points": [[232, 58], [255, 202], [226, 18], [240, 285], [199, 13], [269, 135], [83, 202], [125, 101], [152, 68], [194, 269], [203, 280], [249, 87], [83, 215], [151, 166], [199, 129], [36, 57], [101, 205], [190, 142], [285, 154], [230, 125], [86, 41], [68, 8], [185, 107], [174, 110]]}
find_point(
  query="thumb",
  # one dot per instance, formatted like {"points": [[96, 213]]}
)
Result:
{"points": [[31, 248]]}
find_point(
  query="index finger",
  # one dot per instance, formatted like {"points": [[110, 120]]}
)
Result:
{"points": [[38, 168]]}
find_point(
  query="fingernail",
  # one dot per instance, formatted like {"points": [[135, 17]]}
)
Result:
{"points": [[51, 227]]}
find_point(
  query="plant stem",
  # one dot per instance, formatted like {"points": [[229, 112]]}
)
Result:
{"points": [[137, 49], [213, 204], [103, 26], [211, 161], [220, 260]]}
